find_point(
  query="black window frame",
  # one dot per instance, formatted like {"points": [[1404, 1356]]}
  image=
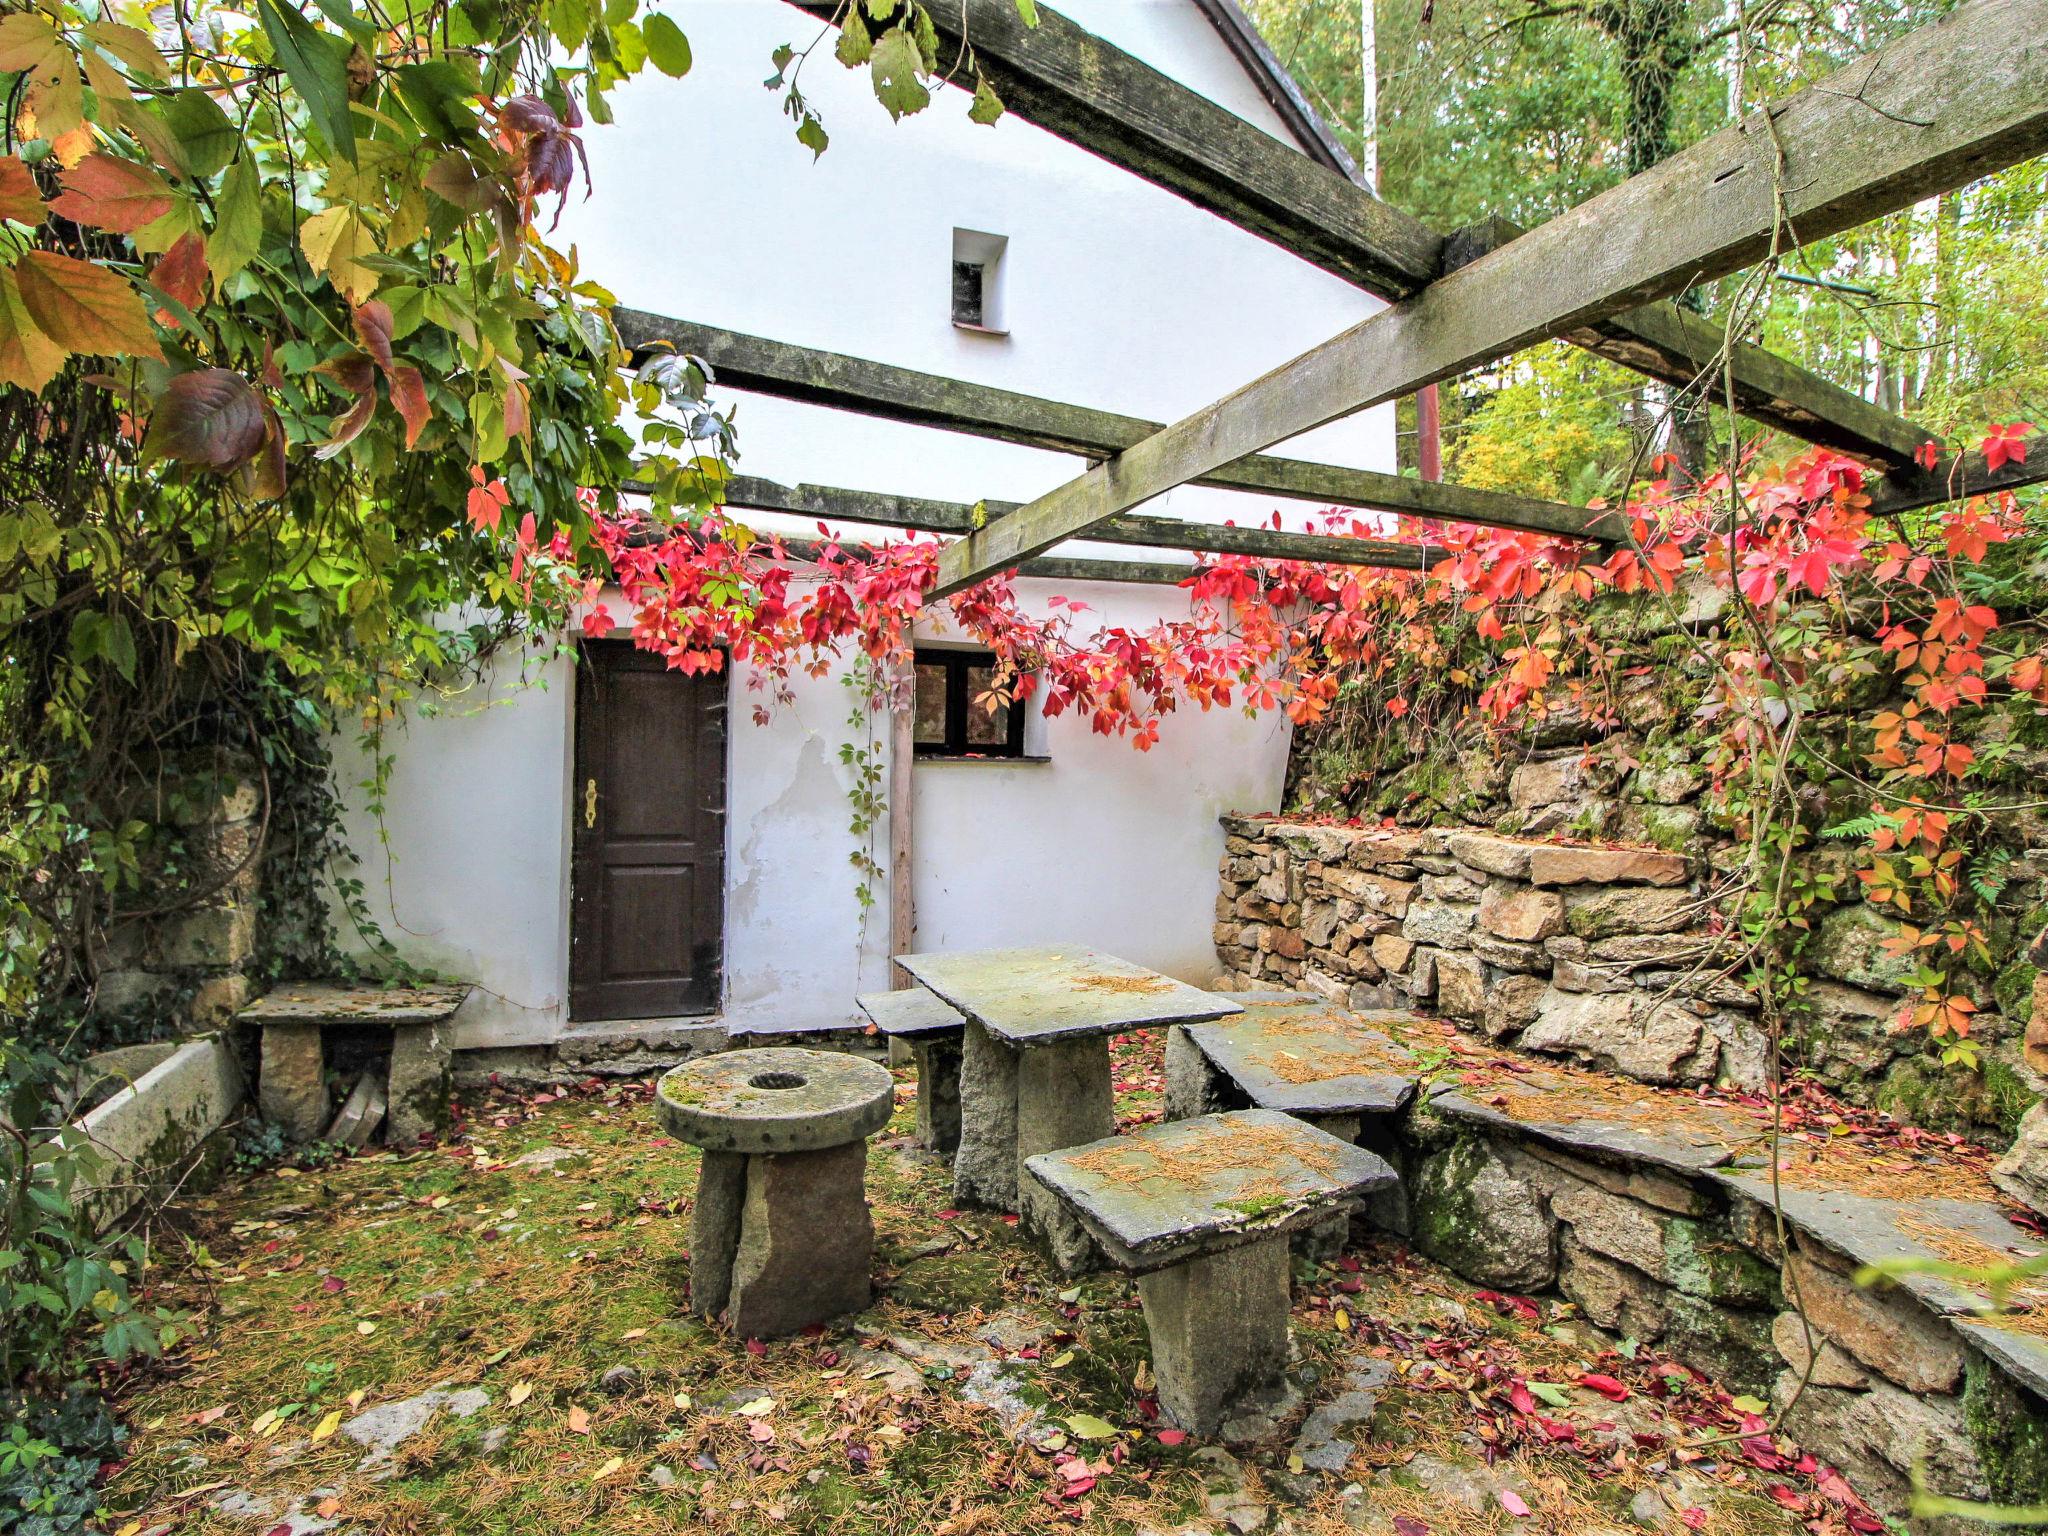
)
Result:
{"points": [[958, 662]]}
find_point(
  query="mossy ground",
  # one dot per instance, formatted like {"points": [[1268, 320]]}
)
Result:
{"points": [[368, 1281]]}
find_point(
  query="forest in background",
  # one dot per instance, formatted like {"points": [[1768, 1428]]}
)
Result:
{"points": [[1523, 108]]}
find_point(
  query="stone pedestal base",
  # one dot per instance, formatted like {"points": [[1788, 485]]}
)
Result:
{"points": [[985, 1164], [1063, 1100], [416, 1095], [938, 1094], [779, 1241], [1322, 1242], [1193, 1085], [1218, 1327], [291, 1088]]}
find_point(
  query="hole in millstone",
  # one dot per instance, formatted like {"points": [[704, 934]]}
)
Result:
{"points": [[775, 1080]]}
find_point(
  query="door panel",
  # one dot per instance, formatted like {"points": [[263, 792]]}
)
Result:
{"points": [[647, 906]]}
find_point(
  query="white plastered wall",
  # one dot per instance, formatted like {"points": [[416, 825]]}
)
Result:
{"points": [[1119, 295]]}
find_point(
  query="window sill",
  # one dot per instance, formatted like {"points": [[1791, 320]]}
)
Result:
{"points": [[973, 760], [980, 330]]}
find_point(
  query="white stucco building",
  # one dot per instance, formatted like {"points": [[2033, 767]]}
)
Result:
{"points": [[1109, 293]]}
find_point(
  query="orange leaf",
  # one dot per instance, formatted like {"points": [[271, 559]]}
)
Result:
{"points": [[85, 307], [19, 199], [181, 273], [110, 193], [28, 358], [409, 394]]}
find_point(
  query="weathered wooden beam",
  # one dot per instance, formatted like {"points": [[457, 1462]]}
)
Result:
{"points": [[1662, 341], [1151, 573], [1951, 479], [955, 517], [929, 400], [1074, 84], [1938, 107]]}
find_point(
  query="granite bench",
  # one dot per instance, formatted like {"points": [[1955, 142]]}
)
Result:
{"points": [[780, 1236], [1201, 1212], [297, 1020], [932, 1029], [1343, 1072]]}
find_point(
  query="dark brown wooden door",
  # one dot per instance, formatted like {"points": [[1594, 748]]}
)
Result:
{"points": [[647, 883]]}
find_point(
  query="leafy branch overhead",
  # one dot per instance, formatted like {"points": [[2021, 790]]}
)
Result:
{"points": [[897, 42]]}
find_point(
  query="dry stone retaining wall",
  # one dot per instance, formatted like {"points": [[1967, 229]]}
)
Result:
{"points": [[1605, 955], [1696, 1269]]}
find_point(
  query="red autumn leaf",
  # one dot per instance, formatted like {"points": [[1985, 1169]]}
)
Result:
{"points": [[19, 198], [334, 1285], [1694, 1517], [1520, 1398], [756, 1347], [1786, 1497], [209, 418], [181, 273], [1172, 1436], [1512, 1502], [2006, 444], [84, 307], [356, 374], [409, 394], [1606, 1386], [373, 328], [113, 194], [1408, 1525], [1927, 455], [487, 501]]}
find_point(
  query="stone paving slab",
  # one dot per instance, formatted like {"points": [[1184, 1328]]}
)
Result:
{"points": [[1164, 1193], [1025, 996], [913, 1013], [1306, 1056], [325, 1002], [1872, 1228], [1594, 1112]]}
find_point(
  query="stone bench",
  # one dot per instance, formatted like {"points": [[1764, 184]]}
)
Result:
{"points": [[1201, 1211], [932, 1029], [780, 1237], [1343, 1072], [296, 1019]]}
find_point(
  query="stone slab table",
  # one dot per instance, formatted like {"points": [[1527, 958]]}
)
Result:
{"points": [[1340, 1070], [780, 1237], [291, 1083], [1034, 1064], [932, 1030], [1201, 1212]]}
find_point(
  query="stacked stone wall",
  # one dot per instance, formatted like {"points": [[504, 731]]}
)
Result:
{"points": [[188, 966], [1698, 1271], [1614, 955]]}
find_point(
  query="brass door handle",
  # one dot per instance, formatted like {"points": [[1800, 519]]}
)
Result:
{"points": [[590, 802]]}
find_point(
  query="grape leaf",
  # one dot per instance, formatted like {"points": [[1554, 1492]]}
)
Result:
{"points": [[987, 105], [1089, 1427], [84, 307], [107, 192], [209, 418], [19, 198], [238, 219], [896, 64], [131, 45], [667, 49], [181, 274], [409, 394], [856, 43], [27, 41]]}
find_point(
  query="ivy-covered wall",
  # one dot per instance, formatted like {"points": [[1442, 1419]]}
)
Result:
{"points": [[1644, 760]]}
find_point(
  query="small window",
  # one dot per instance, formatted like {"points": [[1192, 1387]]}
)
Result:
{"points": [[978, 270], [955, 713]]}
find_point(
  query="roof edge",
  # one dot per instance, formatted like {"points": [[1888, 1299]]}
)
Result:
{"points": [[1252, 51]]}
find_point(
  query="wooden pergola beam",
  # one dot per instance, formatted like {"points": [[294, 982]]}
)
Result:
{"points": [[1908, 490], [925, 399], [1092, 94], [1938, 107], [924, 515]]}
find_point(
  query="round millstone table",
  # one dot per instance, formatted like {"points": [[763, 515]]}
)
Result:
{"points": [[781, 1236]]}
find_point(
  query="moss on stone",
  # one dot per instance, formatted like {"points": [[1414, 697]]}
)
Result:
{"points": [[1703, 1264], [1921, 1091], [2009, 1431], [2014, 990]]}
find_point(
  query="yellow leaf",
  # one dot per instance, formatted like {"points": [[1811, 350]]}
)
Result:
{"points": [[366, 1329], [327, 1426], [264, 1420], [634, 1333], [683, 1400], [757, 1407], [28, 358], [335, 242], [607, 1469], [519, 1394], [1063, 1358], [1343, 1320], [355, 1398]]}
